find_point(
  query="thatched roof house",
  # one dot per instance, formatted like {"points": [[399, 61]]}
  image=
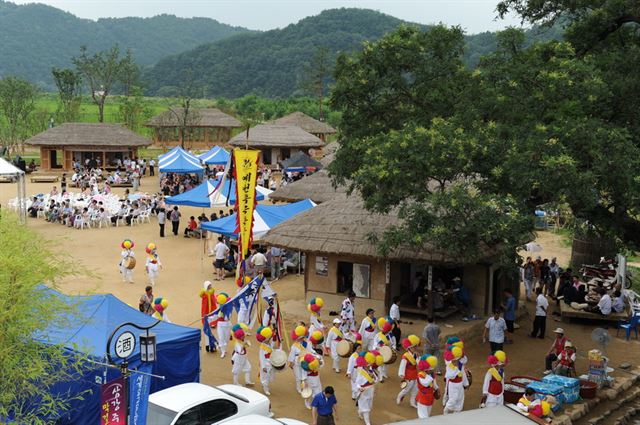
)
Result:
{"points": [[204, 117], [308, 124], [277, 142], [340, 257], [205, 127], [100, 141], [329, 152], [316, 187]]}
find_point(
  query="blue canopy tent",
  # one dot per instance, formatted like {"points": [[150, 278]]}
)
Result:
{"points": [[264, 218], [168, 154], [178, 351], [199, 195], [215, 156], [181, 162]]}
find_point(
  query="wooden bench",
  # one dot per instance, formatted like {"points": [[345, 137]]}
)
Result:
{"points": [[44, 179], [5, 179], [122, 185], [568, 312], [443, 314]]}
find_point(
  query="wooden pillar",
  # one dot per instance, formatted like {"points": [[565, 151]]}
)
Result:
{"points": [[104, 159], [45, 163]]}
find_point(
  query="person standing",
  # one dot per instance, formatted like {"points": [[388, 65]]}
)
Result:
{"points": [[529, 276], [126, 253], [324, 408], [509, 307], [555, 270], [348, 313], [368, 330], [334, 336], [239, 359], [63, 184], [427, 385], [221, 250], [152, 165], [276, 260], [495, 327], [264, 335], [146, 301], [366, 379], [381, 339], [431, 337], [162, 219], [224, 327], [456, 381], [394, 313], [493, 385], [311, 364], [298, 347], [208, 306], [258, 261], [175, 220], [540, 322], [408, 370]]}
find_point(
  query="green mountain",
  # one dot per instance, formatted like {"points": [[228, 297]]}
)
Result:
{"points": [[273, 63], [36, 37]]}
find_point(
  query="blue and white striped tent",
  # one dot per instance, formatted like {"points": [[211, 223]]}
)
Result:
{"points": [[215, 156], [204, 195], [179, 161]]}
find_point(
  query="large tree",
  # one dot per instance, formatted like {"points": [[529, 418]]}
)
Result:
{"points": [[466, 156], [29, 367], [69, 84], [17, 102], [101, 71]]}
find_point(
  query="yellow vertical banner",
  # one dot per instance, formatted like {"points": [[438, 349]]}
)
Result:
{"points": [[245, 172]]}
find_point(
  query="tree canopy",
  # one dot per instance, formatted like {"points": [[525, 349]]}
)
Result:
{"points": [[467, 155]]}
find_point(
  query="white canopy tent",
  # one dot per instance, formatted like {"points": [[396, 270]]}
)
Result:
{"points": [[7, 169]]}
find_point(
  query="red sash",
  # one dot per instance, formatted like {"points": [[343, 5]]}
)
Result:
{"points": [[425, 395], [456, 380], [312, 373], [495, 387], [267, 355]]}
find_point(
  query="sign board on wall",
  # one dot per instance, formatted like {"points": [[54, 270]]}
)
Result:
{"points": [[361, 280], [322, 266]]}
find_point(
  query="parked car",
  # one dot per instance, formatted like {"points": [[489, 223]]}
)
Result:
{"points": [[263, 420], [199, 404]]}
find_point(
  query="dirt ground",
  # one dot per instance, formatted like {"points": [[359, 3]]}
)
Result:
{"points": [[186, 266]]}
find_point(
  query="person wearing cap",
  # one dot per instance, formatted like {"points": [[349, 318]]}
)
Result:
{"points": [[408, 370], [493, 386], [555, 350], [351, 365], [427, 385], [348, 313], [334, 336], [239, 359], [223, 325], [495, 327], [384, 338], [366, 379], [566, 360], [368, 330], [264, 335], [456, 381], [299, 346], [208, 305], [324, 407]]}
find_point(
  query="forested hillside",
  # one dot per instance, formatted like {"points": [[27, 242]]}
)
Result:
{"points": [[35, 37], [274, 63]]}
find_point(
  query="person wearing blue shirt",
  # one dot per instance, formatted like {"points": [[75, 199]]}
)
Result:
{"points": [[509, 307], [324, 411]]}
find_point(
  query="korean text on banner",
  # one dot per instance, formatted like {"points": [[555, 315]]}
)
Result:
{"points": [[113, 405], [246, 169], [139, 386]]}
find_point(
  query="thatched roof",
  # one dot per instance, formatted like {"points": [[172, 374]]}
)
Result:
{"points": [[273, 135], [342, 226], [88, 134], [299, 160], [316, 187], [329, 153], [307, 123], [205, 117]]}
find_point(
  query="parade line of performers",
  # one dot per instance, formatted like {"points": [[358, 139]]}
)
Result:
{"points": [[369, 348]]}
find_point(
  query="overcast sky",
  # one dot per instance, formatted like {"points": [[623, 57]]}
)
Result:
{"points": [[473, 15]]}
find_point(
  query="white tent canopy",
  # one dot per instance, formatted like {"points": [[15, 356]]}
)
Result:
{"points": [[7, 169]]}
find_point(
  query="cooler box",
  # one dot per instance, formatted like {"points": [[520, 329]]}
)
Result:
{"points": [[571, 386], [544, 389]]}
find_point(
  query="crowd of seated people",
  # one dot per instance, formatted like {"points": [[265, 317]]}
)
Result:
{"points": [[172, 184], [596, 299]]}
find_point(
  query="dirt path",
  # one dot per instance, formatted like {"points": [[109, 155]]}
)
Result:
{"points": [[186, 267]]}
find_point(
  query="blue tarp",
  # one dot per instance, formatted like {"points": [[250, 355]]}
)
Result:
{"points": [[264, 218], [215, 156], [199, 195], [179, 161], [178, 351]]}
